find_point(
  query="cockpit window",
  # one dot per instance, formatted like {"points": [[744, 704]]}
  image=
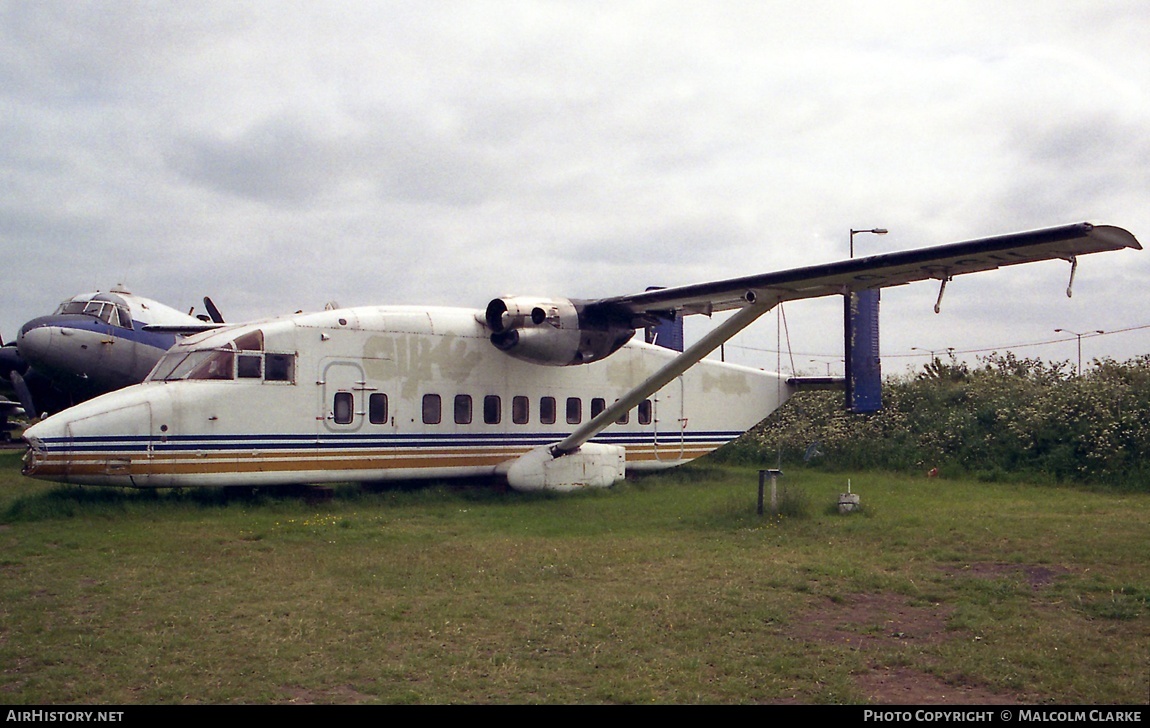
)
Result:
{"points": [[124, 316], [251, 341], [242, 358], [108, 312], [203, 364], [280, 368]]}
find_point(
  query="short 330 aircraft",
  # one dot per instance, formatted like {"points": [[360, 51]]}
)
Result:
{"points": [[548, 393]]}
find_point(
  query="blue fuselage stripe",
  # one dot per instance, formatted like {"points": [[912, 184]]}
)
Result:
{"points": [[224, 443]]}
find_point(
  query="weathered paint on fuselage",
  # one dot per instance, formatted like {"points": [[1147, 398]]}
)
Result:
{"points": [[323, 426]]}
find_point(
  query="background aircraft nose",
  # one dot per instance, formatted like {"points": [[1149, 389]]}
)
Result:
{"points": [[35, 338]]}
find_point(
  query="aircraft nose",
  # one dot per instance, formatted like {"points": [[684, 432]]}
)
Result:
{"points": [[34, 458], [35, 338]]}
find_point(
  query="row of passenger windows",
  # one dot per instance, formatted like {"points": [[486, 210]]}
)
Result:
{"points": [[462, 410]]}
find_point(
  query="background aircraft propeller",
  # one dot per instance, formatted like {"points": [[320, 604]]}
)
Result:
{"points": [[213, 312]]}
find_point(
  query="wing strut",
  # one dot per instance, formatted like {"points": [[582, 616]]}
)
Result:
{"points": [[717, 336]]}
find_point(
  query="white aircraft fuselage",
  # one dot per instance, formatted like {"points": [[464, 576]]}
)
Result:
{"points": [[381, 393]]}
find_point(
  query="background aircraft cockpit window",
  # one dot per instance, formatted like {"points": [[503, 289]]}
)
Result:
{"points": [[100, 310], [116, 314], [71, 306], [122, 317]]}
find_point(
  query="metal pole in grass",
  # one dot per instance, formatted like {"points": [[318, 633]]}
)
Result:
{"points": [[774, 473]]}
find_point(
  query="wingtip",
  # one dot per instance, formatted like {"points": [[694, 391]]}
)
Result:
{"points": [[1115, 236]]}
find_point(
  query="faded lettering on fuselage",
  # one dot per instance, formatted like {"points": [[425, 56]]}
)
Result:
{"points": [[725, 382], [412, 358]]}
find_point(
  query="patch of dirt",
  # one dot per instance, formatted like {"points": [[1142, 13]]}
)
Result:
{"points": [[867, 620], [905, 686], [1036, 576], [870, 622], [342, 695]]}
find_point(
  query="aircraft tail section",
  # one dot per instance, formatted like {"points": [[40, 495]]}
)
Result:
{"points": [[668, 333]]}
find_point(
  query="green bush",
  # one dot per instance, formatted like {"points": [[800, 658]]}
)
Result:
{"points": [[1008, 418]]}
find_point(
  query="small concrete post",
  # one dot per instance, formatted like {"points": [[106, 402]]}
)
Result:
{"points": [[774, 490]]}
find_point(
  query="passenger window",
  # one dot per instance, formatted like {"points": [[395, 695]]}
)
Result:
{"points": [[547, 410], [432, 407], [574, 410], [280, 368], [597, 406], [520, 410], [623, 418], [377, 409], [645, 412], [344, 409], [463, 409], [492, 409]]}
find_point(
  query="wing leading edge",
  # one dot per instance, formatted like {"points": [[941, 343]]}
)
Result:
{"points": [[877, 271]]}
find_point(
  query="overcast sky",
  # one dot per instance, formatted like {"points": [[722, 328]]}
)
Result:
{"points": [[280, 155]]}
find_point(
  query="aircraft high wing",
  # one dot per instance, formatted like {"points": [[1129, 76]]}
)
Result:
{"points": [[757, 294], [941, 263]]}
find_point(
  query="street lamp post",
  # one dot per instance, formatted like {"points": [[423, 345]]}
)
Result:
{"points": [[851, 304], [816, 361], [1075, 333], [932, 351]]}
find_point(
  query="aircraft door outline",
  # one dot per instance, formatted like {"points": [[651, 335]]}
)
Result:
{"points": [[669, 422], [343, 395]]}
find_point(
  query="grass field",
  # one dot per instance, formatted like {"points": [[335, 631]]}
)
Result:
{"points": [[668, 589]]}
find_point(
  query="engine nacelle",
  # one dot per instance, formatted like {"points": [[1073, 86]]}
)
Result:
{"points": [[556, 332]]}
